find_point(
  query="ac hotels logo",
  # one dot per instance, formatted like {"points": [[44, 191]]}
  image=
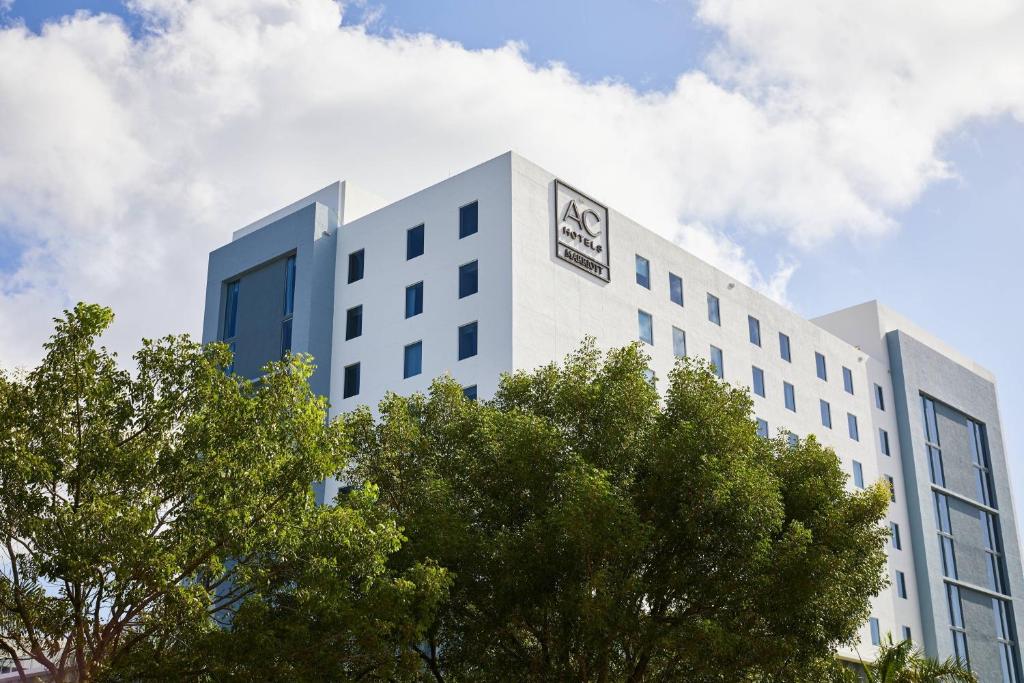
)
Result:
{"points": [[581, 231]]}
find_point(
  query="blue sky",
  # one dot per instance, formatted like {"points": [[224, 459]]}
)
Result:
{"points": [[951, 260]]}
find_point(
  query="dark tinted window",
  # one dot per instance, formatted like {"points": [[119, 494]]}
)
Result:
{"points": [[467, 279], [355, 265], [675, 288], [414, 242], [413, 300], [467, 340], [468, 216], [351, 385], [413, 359], [354, 322]]}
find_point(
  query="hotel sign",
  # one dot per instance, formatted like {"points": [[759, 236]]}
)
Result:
{"points": [[581, 231]]}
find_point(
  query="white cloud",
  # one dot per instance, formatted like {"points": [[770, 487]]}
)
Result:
{"points": [[124, 161]]}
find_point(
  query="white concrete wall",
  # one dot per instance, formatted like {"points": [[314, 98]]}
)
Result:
{"points": [[381, 292], [555, 305]]}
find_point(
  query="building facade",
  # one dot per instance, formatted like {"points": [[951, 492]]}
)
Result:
{"points": [[504, 267]]}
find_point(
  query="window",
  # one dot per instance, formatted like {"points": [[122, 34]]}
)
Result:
{"points": [[876, 633], [851, 423], [847, 380], [413, 300], [678, 342], [355, 265], [784, 348], [413, 359], [858, 474], [467, 340], [956, 624], [643, 271], [793, 439], [892, 487], [351, 384], [468, 219], [1004, 635], [879, 398], [883, 441], [675, 288], [467, 279], [469, 392], [931, 434], [717, 362], [289, 287], [826, 414], [646, 327], [230, 311], [894, 529], [905, 633], [650, 376], [714, 311], [758, 382], [288, 307], [286, 337], [789, 394], [754, 328], [980, 463], [993, 557], [354, 322], [819, 361], [762, 428], [901, 585], [414, 242]]}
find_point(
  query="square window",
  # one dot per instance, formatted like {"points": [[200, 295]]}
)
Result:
{"points": [[678, 342], [354, 322], [643, 271], [351, 384], [754, 327], [675, 288], [793, 439], [876, 632], [413, 359], [826, 414], [717, 362], [858, 475], [467, 341], [784, 351], [819, 361], [355, 265], [468, 219], [758, 381], [847, 380], [851, 423], [413, 300], [762, 428], [790, 396], [469, 392], [714, 309], [646, 327], [901, 584], [467, 279], [883, 441], [879, 398], [414, 242]]}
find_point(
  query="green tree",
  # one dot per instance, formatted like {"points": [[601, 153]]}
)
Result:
{"points": [[596, 533], [904, 663], [141, 512]]}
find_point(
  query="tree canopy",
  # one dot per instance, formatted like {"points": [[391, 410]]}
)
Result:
{"points": [[141, 512], [595, 532]]}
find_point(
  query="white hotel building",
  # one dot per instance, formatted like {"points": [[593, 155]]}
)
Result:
{"points": [[504, 267]]}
